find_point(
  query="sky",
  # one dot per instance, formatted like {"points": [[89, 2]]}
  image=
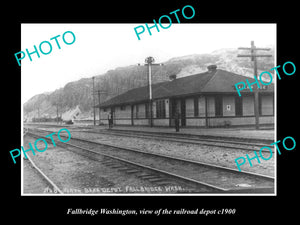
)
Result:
{"points": [[102, 47]]}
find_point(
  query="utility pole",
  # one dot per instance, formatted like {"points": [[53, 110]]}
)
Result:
{"points": [[39, 113], [57, 113], [58, 103], [149, 62], [99, 107], [94, 101], [98, 92], [254, 56]]}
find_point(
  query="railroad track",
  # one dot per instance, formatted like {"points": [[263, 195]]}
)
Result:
{"points": [[216, 178], [196, 136], [198, 140], [247, 144], [52, 187]]}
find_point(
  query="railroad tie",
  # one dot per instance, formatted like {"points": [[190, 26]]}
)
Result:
{"points": [[117, 166], [131, 171], [164, 183], [146, 176], [155, 179], [108, 163]]}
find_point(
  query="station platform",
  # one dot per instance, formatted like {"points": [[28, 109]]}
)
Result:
{"points": [[247, 133]]}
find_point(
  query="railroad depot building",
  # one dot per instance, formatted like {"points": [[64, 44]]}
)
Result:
{"points": [[207, 99]]}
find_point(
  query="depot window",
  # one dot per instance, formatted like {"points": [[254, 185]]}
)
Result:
{"points": [[218, 105], [160, 109], [238, 106]]}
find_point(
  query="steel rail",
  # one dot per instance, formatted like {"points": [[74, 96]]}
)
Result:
{"points": [[44, 176], [175, 158], [208, 140], [176, 176], [163, 137], [189, 136], [259, 176], [178, 159]]}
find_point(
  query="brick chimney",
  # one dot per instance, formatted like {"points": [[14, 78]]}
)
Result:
{"points": [[172, 77], [212, 68]]}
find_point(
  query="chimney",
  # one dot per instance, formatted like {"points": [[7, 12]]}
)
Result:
{"points": [[172, 77], [212, 68]]}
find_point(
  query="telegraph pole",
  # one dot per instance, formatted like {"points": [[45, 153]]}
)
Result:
{"points": [[57, 113], [98, 92], [254, 56], [149, 62], [99, 107], [58, 104]]}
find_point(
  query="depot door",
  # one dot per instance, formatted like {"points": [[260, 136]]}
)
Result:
{"points": [[112, 115], [132, 111], [172, 110], [182, 113], [179, 106]]}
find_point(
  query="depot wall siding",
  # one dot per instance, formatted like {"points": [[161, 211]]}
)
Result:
{"points": [[104, 115], [239, 121], [195, 122], [167, 102], [201, 106], [161, 122], [135, 114], [139, 110], [122, 121], [267, 105], [200, 122], [234, 121], [153, 109], [228, 106], [141, 122], [248, 105], [189, 107], [122, 112], [210, 106], [266, 119]]}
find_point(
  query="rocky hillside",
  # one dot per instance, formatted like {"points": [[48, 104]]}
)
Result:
{"points": [[75, 100]]}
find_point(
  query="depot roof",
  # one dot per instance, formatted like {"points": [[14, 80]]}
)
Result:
{"points": [[213, 81]]}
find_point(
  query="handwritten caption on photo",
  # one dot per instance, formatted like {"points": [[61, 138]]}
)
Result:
{"points": [[112, 190]]}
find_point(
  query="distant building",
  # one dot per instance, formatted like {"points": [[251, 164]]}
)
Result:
{"points": [[71, 114], [207, 99]]}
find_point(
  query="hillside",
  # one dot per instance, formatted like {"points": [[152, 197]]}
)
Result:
{"points": [[75, 99]]}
